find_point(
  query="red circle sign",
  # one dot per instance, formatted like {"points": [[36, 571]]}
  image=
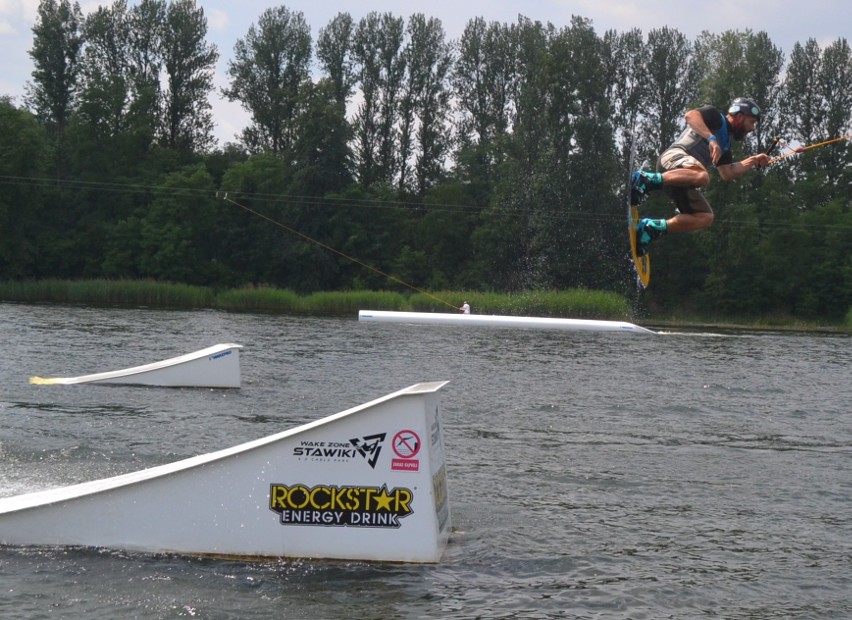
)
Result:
{"points": [[406, 444]]}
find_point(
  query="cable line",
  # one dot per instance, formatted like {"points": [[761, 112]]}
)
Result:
{"points": [[553, 214], [226, 198]]}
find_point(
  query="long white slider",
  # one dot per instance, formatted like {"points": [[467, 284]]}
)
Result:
{"points": [[491, 320]]}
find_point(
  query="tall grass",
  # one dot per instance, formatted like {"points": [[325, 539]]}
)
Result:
{"points": [[266, 299], [107, 292], [263, 299], [571, 303], [349, 302], [580, 303]]}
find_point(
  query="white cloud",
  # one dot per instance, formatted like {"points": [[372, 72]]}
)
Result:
{"points": [[13, 12], [27, 10], [217, 20]]}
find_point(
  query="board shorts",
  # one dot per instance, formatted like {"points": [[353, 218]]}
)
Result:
{"points": [[686, 199]]}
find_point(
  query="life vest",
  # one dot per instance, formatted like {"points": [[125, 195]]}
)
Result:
{"points": [[697, 146]]}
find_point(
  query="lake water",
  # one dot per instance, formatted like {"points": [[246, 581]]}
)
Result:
{"points": [[591, 475]]}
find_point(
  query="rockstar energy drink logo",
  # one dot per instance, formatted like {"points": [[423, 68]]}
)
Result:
{"points": [[337, 506]]}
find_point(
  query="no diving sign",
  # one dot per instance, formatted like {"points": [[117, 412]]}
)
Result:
{"points": [[406, 445]]}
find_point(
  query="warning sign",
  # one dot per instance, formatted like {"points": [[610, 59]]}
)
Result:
{"points": [[406, 445]]}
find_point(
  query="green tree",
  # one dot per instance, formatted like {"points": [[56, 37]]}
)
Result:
{"points": [[24, 160], [57, 45], [571, 232], [801, 112], [505, 243], [380, 69], [721, 58], [482, 76], [429, 59], [443, 236], [370, 226], [270, 65], [107, 143], [835, 92], [189, 62], [320, 155], [765, 62], [625, 65], [257, 248], [818, 108], [177, 234], [104, 70], [334, 52], [671, 88], [529, 93], [145, 33]]}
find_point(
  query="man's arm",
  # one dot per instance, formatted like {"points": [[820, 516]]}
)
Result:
{"points": [[695, 120], [739, 168]]}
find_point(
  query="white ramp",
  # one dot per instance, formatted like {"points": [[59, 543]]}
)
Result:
{"points": [[214, 367], [368, 483]]}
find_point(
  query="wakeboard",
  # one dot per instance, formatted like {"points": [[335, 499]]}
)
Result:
{"points": [[641, 263]]}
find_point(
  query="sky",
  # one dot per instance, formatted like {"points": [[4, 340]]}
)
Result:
{"points": [[787, 22]]}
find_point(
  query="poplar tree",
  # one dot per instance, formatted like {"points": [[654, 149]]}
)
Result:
{"points": [[671, 88], [425, 106], [271, 64], [189, 62], [379, 69], [334, 52], [145, 43], [482, 77], [57, 46]]}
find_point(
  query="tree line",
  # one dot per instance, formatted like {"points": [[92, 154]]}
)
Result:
{"points": [[497, 161]]}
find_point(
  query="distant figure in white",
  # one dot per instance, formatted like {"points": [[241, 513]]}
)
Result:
{"points": [[465, 309]]}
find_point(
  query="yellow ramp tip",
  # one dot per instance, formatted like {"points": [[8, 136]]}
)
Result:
{"points": [[43, 381]]}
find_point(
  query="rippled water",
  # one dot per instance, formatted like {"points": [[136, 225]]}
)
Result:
{"points": [[591, 475]]}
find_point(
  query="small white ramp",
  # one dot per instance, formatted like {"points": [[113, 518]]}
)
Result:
{"points": [[214, 367]]}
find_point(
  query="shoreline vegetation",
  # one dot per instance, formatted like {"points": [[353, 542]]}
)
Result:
{"points": [[572, 303]]}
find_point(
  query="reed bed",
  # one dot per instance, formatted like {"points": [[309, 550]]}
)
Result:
{"points": [[571, 303], [261, 299], [580, 303], [108, 292], [349, 302]]}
